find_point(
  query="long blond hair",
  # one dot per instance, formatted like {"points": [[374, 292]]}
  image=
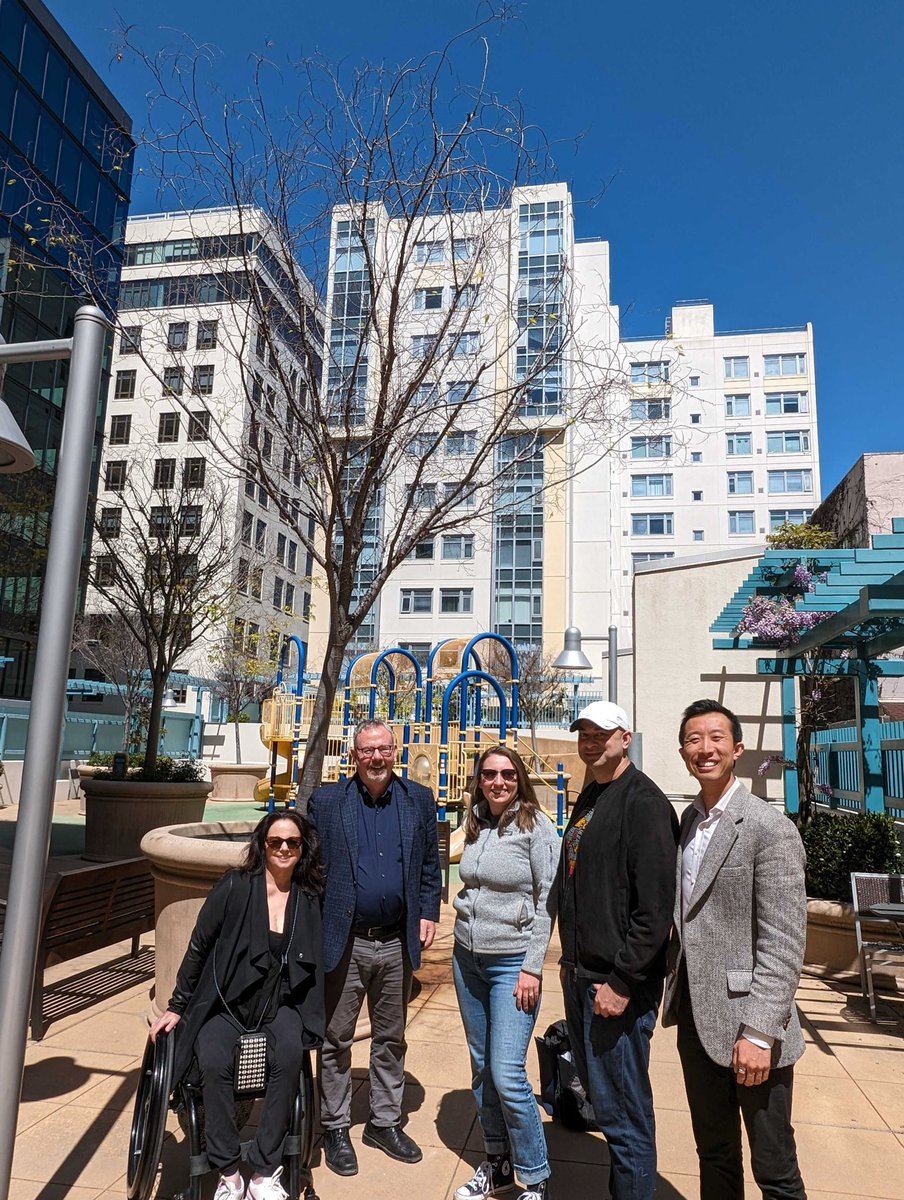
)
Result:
{"points": [[523, 813]]}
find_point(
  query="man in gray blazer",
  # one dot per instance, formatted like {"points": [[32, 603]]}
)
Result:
{"points": [[735, 962]]}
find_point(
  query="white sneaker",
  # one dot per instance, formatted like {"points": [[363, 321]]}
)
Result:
{"points": [[227, 1190], [490, 1179], [268, 1188], [536, 1191]]}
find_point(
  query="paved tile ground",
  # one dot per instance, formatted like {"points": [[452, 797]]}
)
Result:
{"points": [[80, 1082]]}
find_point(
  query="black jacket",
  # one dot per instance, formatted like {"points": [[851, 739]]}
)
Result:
{"points": [[614, 927], [231, 930]]}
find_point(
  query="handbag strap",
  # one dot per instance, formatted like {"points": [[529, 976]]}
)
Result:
{"points": [[274, 973]]}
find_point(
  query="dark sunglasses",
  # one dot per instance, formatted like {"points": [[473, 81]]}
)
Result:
{"points": [[274, 843], [509, 775]]}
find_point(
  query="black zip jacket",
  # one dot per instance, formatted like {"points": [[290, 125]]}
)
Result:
{"points": [[615, 912]]}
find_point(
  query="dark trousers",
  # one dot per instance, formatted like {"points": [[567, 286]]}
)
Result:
{"points": [[717, 1104], [612, 1058], [215, 1050]]}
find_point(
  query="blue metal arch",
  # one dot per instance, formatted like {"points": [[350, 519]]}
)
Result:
{"points": [[419, 679], [428, 688], [513, 661], [462, 678]]}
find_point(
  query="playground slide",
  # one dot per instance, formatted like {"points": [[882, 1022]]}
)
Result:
{"points": [[283, 749]]}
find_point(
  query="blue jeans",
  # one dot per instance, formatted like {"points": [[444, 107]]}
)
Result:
{"points": [[498, 1037], [612, 1057]]}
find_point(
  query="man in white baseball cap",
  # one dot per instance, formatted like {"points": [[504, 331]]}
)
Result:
{"points": [[614, 896]]}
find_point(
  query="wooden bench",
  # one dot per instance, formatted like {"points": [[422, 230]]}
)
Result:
{"points": [[88, 909]]}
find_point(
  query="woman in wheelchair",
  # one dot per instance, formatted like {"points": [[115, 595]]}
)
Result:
{"points": [[254, 965]]}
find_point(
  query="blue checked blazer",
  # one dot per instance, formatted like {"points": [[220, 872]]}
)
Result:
{"points": [[333, 810]]}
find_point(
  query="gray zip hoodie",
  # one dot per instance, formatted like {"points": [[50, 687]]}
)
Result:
{"points": [[501, 908]]}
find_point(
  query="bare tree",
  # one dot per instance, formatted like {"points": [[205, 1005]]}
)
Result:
{"points": [[244, 665], [540, 685], [105, 642]]}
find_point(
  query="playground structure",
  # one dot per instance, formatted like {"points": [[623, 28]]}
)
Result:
{"points": [[437, 717]]}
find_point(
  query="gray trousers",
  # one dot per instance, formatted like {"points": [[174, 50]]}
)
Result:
{"points": [[379, 972]]}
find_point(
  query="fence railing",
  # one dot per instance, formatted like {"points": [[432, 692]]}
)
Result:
{"points": [[839, 765]]}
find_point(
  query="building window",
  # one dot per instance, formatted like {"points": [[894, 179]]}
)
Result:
{"points": [[247, 528], [462, 249], [198, 426], [289, 599], [790, 516], [168, 427], [740, 483], [260, 343], [695, 418], [788, 441], [468, 297], [423, 345], [697, 535], [651, 524], [456, 600], [115, 475], [696, 456], [124, 385], [130, 340], [645, 556], [105, 571], [260, 537], [177, 335], [458, 546], [694, 381], [190, 520], [120, 430], [456, 492], [651, 410], [738, 443], [790, 481], [696, 495], [206, 338], [193, 472], [416, 600], [464, 343], [278, 585], [737, 406], [461, 441], [461, 392], [292, 556], [429, 252], [651, 447], [173, 381], [425, 495], [422, 551], [780, 404], [160, 521], [429, 299], [164, 472], [418, 650], [741, 521], [650, 372], [784, 364], [110, 523], [736, 367], [651, 485], [426, 395], [202, 380]]}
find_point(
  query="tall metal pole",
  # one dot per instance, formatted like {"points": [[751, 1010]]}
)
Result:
{"points": [[613, 663], [45, 726]]}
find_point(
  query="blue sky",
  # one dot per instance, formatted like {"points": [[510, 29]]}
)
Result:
{"points": [[753, 152]]}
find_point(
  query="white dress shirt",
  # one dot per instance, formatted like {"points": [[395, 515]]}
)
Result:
{"points": [[693, 852]]}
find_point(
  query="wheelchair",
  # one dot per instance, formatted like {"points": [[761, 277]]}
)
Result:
{"points": [[156, 1096]]}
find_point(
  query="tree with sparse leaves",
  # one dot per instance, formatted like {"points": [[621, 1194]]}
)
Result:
{"points": [[104, 642]]}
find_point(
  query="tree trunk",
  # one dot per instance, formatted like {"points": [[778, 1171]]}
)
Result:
{"points": [[315, 751], [155, 716], [238, 740]]}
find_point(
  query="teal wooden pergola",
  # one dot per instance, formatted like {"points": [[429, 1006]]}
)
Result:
{"points": [[863, 591]]}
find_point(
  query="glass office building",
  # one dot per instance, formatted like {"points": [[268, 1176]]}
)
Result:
{"points": [[65, 171]]}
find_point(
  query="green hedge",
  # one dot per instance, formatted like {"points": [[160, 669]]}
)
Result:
{"points": [[837, 844]]}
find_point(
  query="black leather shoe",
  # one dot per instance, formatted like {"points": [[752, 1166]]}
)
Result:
{"points": [[392, 1140], [339, 1152]]}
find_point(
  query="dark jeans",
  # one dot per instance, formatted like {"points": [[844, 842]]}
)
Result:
{"points": [[215, 1050], [612, 1057], [717, 1104]]}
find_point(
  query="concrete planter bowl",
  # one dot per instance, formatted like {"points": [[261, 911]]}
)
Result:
{"points": [[831, 950], [119, 812]]}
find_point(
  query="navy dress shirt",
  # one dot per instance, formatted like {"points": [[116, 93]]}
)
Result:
{"points": [[379, 884]]}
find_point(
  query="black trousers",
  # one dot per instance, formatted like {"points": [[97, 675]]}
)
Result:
{"points": [[718, 1103], [215, 1050]]}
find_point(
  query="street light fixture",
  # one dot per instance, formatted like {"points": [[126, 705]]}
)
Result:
{"points": [[15, 453], [573, 658]]}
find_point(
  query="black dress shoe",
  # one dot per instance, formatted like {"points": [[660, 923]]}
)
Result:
{"points": [[392, 1140], [339, 1152]]}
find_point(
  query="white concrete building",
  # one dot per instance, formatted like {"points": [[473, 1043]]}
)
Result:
{"points": [[191, 376], [710, 440]]}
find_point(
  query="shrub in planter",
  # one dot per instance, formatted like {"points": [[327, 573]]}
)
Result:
{"points": [[166, 770], [838, 844]]}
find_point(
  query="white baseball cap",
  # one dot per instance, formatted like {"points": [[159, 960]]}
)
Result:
{"points": [[603, 713]]}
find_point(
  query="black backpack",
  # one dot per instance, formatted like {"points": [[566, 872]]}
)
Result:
{"points": [[561, 1091]]}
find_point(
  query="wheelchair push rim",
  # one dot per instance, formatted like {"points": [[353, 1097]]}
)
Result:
{"points": [[149, 1118]]}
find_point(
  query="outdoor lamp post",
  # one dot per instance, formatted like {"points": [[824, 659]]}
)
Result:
{"points": [[42, 749], [572, 658]]}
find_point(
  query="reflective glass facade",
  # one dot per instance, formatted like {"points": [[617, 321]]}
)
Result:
{"points": [[65, 172]]}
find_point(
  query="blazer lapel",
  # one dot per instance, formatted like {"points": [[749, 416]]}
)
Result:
{"points": [[406, 825], [724, 837], [350, 823], [686, 817]]}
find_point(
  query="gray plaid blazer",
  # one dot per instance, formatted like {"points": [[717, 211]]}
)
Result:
{"points": [[743, 934]]}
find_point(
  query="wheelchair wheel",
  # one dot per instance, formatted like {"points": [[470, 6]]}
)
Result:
{"points": [[149, 1117], [298, 1175]]}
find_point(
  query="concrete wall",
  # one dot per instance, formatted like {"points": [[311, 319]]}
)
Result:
{"points": [[865, 500], [675, 664]]}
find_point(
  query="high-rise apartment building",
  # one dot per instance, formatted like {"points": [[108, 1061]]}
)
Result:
{"points": [[705, 440], [65, 172], [198, 390]]}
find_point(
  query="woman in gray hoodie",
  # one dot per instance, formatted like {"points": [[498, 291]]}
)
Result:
{"points": [[502, 931]]}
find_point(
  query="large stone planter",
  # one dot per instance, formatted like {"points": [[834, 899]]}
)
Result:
{"points": [[831, 950], [119, 812], [236, 781]]}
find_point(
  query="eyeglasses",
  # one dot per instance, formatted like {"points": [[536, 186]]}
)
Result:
{"points": [[291, 843], [370, 751], [487, 776]]}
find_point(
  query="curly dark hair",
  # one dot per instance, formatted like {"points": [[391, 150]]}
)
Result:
{"points": [[523, 814], [308, 873]]}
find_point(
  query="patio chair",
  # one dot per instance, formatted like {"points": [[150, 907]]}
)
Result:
{"points": [[869, 890]]}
